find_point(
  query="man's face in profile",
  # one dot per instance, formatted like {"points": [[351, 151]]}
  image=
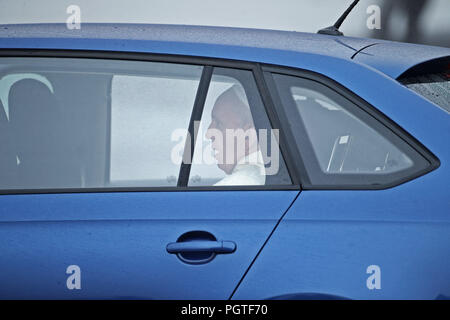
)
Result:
{"points": [[229, 114]]}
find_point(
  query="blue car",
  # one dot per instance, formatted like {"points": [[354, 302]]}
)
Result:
{"points": [[184, 162]]}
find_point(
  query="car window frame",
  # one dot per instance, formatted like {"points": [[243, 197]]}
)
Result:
{"points": [[208, 65], [370, 111]]}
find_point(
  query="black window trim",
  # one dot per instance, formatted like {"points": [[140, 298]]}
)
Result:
{"points": [[262, 74], [207, 63], [365, 106], [196, 115]]}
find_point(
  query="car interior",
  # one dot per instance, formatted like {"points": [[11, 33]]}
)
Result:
{"points": [[55, 128], [43, 145], [342, 143]]}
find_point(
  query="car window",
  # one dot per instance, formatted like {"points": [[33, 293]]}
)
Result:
{"points": [[434, 86], [8, 80], [91, 123], [145, 111], [340, 144], [236, 144]]}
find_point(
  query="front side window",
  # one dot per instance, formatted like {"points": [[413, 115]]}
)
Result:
{"points": [[84, 123], [342, 145]]}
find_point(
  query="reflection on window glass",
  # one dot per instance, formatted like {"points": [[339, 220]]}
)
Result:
{"points": [[235, 145], [341, 142], [435, 87], [92, 123]]}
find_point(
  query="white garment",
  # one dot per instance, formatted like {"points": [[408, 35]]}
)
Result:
{"points": [[249, 171]]}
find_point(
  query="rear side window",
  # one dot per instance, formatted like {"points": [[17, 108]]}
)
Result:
{"points": [[434, 86], [340, 144]]}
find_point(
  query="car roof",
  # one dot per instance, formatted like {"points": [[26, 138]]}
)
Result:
{"points": [[390, 58]]}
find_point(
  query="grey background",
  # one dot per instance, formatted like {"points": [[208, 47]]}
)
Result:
{"points": [[418, 21]]}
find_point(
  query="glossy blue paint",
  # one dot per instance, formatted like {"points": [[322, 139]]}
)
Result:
{"points": [[393, 58], [334, 236], [236, 37], [119, 241], [332, 256]]}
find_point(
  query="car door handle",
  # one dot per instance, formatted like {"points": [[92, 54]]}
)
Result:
{"points": [[218, 247]]}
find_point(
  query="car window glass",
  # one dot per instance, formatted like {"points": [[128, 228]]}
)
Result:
{"points": [[340, 144], [235, 143], [435, 87], [91, 123]]}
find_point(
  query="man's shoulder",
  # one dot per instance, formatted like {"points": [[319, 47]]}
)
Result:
{"points": [[245, 174]]}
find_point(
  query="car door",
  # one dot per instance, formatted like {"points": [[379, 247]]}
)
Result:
{"points": [[107, 196], [372, 221]]}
